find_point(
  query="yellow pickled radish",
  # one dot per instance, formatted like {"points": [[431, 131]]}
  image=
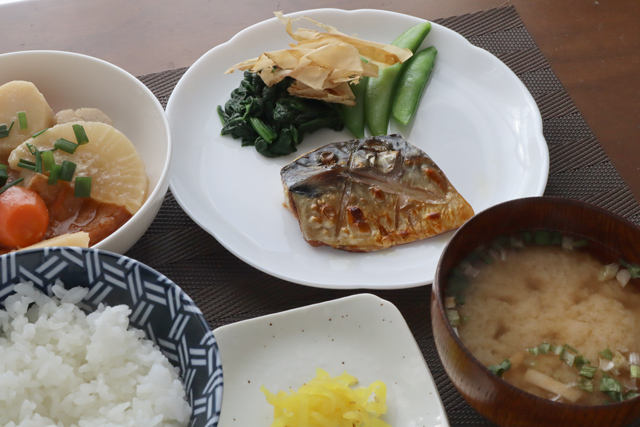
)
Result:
{"points": [[79, 239], [117, 172], [20, 96]]}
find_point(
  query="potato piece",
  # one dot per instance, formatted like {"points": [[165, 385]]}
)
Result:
{"points": [[82, 115], [16, 96]]}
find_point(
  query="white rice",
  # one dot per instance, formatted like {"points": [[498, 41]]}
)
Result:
{"points": [[62, 367]]}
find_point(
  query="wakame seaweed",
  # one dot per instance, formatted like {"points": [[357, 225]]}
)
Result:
{"points": [[271, 119]]}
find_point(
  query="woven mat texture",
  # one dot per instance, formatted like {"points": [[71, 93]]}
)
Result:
{"points": [[228, 290]]}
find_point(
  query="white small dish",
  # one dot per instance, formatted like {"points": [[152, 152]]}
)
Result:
{"points": [[71, 80], [361, 334], [477, 121]]}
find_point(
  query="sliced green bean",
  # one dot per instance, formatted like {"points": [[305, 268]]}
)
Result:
{"points": [[411, 84], [380, 92], [353, 116]]}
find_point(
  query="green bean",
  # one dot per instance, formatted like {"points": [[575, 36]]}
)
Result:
{"points": [[353, 116], [379, 93], [411, 84]]}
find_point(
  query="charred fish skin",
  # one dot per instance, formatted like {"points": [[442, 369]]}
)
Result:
{"points": [[371, 194]]}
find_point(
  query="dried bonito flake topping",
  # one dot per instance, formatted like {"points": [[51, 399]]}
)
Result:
{"points": [[323, 63]]}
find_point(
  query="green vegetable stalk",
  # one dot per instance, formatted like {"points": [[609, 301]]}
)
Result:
{"points": [[379, 92]]}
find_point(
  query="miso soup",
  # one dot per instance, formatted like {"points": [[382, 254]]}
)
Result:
{"points": [[555, 316]]}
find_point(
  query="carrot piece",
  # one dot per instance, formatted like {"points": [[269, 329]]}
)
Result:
{"points": [[23, 217]]}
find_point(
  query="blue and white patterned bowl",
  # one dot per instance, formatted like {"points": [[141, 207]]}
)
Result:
{"points": [[159, 307]]}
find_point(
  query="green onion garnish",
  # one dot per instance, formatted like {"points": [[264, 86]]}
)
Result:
{"points": [[633, 268], [544, 347], [568, 354], [500, 369], [454, 317], [635, 371], [4, 176], [588, 371], [631, 394], [4, 130], [556, 349], [22, 119], [585, 384], [607, 354], [555, 238], [31, 148], [611, 387], [11, 184], [542, 237], [83, 186], [54, 174], [68, 169], [580, 361], [66, 145], [47, 160], [38, 161], [26, 164], [534, 351], [81, 135], [39, 133]]}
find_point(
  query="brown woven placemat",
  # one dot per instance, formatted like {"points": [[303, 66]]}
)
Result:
{"points": [[228, 290]]}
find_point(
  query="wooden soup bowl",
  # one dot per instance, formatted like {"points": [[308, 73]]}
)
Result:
{"points": [[499, 401]]}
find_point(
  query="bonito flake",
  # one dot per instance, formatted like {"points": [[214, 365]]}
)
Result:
{"points": [[323, 64]]}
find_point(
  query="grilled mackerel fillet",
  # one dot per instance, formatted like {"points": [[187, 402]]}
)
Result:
{"points": [[370, 194]]}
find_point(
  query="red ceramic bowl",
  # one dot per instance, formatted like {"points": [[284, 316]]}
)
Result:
{"points": [[490, 395]]}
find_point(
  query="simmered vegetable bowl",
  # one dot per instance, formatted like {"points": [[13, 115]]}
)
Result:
{"points": [[71, 174], [306, 84]]}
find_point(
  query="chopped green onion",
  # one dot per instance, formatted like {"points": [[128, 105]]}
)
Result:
{"points": [[39, 133], [54, 174], [83, 186], [579, 243], [26, 164], [500, 369], [580, 361], [534, 351], [555, 238], [4, 131], [47, 160], [607, 354], [22, 119], [556, 349], [633, 268], [585, 384], [588, 371], [11, 184], [4, 176], [544, 347], [611, 387], [542, 237], [631, 394], [31, 148], [567, 346], [66, 145], [38, 161], [568, 355], [68, 168], [454, 317], [635, 371], [81, 135]]}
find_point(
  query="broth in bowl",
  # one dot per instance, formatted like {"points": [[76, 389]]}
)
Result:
{"points": [[554, 315]]}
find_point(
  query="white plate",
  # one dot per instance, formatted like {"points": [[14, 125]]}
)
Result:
{"points": [[477, 121], [361, 334]]}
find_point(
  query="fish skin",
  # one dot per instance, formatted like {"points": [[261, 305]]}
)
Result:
{"points": [[370, 194]]}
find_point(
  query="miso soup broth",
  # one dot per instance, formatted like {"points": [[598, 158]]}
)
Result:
{"points": [[553, 315]]}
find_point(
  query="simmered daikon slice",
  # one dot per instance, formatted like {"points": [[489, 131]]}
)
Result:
{"points": [[117, 172]]}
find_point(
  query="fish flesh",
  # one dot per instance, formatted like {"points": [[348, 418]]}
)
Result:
{"points": [[369, 194]]}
